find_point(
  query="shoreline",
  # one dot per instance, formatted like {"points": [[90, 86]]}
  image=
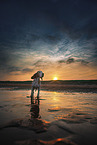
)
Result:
{"points": [[53, 87], [58, 85]]}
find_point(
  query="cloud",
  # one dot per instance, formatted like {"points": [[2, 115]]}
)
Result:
{"points": [[9, 61], [68, 61], [12, 69], [52, 37], [9, 69], [83, 62], [72, 60], [41, 34], [27, 70]]}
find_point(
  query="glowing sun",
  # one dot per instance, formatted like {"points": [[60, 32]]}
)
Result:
{"points": [[55, 78]]}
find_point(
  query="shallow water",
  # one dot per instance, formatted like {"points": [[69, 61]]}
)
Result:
{"points": [[15, 104]]}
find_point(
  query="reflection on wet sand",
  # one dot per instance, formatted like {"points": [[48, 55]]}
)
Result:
{"points": [[33, 123], [35, 108], [69, 116], [38, 124]]}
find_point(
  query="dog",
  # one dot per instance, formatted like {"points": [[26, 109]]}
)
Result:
{"points": [[36, 84]]}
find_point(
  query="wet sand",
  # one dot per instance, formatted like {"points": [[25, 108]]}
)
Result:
{"points": [[61, 118], [38, 132], [72, 86]]}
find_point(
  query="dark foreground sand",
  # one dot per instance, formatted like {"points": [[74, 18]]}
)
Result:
{"points": [[78, 129]]}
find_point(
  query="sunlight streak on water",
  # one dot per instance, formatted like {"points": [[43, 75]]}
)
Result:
{"points": [[53, 105], [64, 103]]}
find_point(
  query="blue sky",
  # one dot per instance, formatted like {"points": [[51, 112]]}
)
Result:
{"points": [[58, 37]]}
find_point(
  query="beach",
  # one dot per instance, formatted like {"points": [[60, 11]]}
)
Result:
{"points": [[67, 115]]}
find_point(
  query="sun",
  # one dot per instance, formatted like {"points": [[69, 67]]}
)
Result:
{"points": [[55, 78]]}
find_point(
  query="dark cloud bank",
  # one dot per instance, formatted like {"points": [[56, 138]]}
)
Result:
{"points": [[32, 25]]}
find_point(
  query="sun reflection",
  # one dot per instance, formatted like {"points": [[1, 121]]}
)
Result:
{"points": [[55, 98]]}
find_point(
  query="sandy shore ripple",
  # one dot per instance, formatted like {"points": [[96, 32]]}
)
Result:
{"points": [[35, 131]]}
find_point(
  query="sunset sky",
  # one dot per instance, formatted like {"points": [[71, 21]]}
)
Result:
{"points": [[58, 37]]}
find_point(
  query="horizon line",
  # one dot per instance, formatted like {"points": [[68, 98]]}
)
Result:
{"points": [[49, 80]]}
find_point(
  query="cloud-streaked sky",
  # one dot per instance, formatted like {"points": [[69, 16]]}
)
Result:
{"points": [[58, 37]]}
